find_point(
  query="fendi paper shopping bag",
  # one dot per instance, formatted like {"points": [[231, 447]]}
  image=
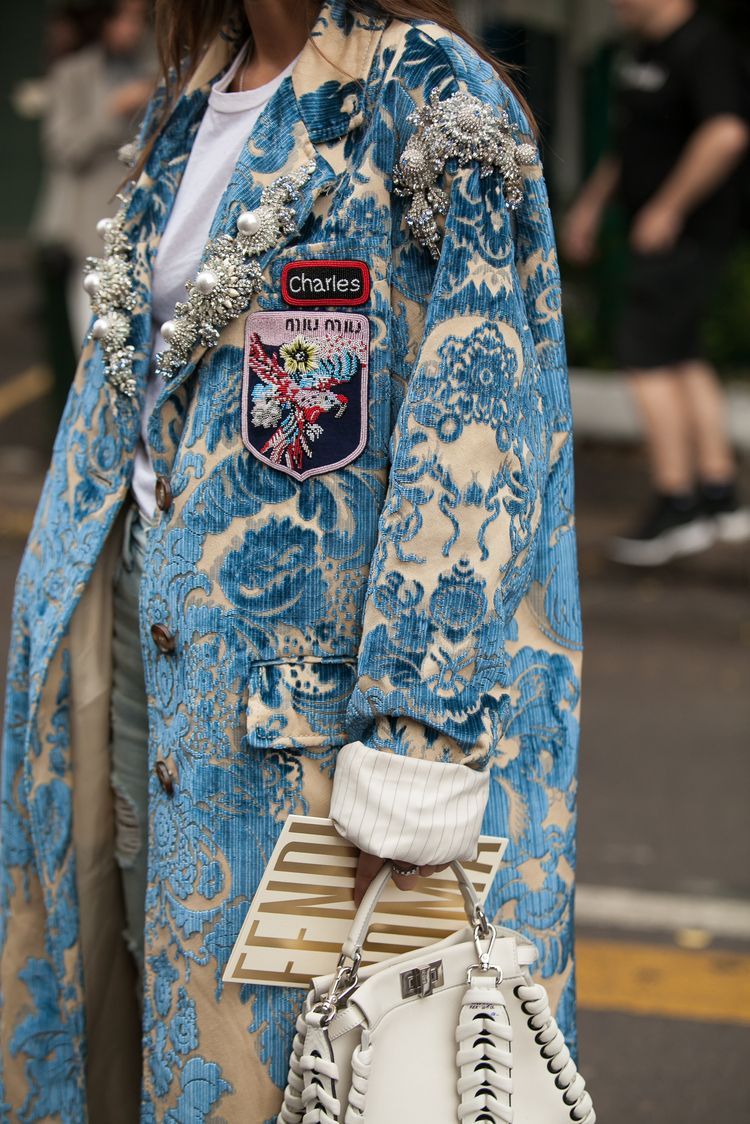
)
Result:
{"points": [[304, 907]]}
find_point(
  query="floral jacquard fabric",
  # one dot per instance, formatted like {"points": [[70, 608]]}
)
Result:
{"points": [[417, 590]]}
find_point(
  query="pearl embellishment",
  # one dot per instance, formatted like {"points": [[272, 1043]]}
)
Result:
{"points": [[91, 282], [206, 281], [248, 223], [100, 327], [167, 330], [102, 227], [128, 153]]}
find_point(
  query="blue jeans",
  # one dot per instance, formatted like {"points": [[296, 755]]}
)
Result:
{"points": [[129, 733]]}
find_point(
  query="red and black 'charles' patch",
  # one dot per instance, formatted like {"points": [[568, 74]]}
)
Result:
{"points": [[337, 284]]}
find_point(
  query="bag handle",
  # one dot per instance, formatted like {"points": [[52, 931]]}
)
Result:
{"points": [[352, 946], [346, 981]]}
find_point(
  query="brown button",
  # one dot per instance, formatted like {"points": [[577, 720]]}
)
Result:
{"points": [[163, 492], [163, 638], [166, 776]]}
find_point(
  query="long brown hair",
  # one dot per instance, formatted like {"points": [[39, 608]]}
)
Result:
{"points": [[185, 28]]}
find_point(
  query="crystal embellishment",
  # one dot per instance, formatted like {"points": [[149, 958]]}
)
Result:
{"points": [[228, 278], [468, 129], [127, 153], [109, 282], [230, 274]]}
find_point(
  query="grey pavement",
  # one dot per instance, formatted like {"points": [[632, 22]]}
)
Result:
{"points": [[665, 767], [664, 784]]}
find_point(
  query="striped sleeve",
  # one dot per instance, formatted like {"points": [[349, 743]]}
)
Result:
{"points": [[406, 808]]}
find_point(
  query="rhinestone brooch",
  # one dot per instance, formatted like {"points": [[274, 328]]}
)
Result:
{"points": [[228, 278], [109, 283], [230, 275], [468, 129]]}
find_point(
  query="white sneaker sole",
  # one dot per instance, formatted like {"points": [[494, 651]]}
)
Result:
{"points": [[733, 527], [690, 539]]}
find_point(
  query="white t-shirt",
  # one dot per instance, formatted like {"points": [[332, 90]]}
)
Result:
{"points": [[224, 130]]}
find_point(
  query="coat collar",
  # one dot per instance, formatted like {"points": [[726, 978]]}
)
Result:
{"points": [[331, 73], [329, 76]]}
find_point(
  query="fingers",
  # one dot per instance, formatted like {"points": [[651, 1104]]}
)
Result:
{"points": [[409, 881], [369, 865], [405, 881]]}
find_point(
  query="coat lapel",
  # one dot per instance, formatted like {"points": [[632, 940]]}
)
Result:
{"points": [[281, 146], [315, 107]]}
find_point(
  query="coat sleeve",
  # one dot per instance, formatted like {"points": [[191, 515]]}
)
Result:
{"points": [[470, 455]]}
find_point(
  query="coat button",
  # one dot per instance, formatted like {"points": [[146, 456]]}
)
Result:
{"points": [[164, 639], [165, 776], [163, 493]]}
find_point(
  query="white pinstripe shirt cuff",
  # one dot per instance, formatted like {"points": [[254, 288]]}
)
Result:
{"points": [[406, 808]]}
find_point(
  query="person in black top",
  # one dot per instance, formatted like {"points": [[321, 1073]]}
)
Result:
{"points": [[679, 132]]}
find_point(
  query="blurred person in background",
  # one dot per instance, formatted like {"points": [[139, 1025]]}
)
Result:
{"points": [[65, 32], [69, 28], [95, 97], [680, 132]]}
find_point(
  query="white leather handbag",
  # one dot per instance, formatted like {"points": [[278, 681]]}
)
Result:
{"points": [[455, 1032]]}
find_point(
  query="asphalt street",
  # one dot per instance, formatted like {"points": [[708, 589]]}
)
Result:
{"points": [[664, 841]]}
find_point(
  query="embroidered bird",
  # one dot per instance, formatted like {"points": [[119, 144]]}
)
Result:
{"points": [[293, 397]]}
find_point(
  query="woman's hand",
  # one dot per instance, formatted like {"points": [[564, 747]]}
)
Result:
{"points": [[369, 865]]}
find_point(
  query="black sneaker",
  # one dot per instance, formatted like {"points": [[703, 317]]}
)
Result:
{"points": [[721, 505], [676, 526]]}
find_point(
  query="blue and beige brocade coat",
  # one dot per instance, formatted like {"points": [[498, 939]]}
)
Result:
{"points": [[419, 600]]}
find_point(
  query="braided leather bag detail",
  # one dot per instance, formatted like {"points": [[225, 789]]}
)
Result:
{"points": [[365, 1045]]}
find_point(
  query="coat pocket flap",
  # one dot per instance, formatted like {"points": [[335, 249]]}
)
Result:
{"points": [[299, 703]]}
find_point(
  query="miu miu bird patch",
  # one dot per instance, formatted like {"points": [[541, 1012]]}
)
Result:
{"points": [[304, 395], [336, 284]]}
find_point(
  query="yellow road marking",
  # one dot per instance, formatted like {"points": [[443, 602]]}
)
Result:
{"points": [[31, 384], [644, 979]]}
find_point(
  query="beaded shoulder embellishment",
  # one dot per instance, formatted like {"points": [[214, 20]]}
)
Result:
{"points": [[464, 127], [109, 283], [223, 288]]}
